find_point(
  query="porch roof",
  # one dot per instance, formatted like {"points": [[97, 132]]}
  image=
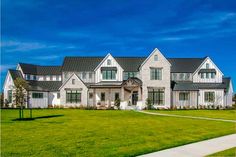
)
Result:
{"points": [[105, 84]]}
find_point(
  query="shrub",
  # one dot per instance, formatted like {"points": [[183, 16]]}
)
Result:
{"points": [[149, 104], [117, 103]]}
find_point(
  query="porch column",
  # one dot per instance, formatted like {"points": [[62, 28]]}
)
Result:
{"points": [[94, 97], [109, 97], [139, 93], [122, 97]]}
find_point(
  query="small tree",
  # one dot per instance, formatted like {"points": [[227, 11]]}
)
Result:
{"points": [[20, 95], [149, 104]]}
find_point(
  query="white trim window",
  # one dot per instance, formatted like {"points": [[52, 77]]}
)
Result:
{"points": [[156, 73], [183, 96], [209, 96], [37, 95]]}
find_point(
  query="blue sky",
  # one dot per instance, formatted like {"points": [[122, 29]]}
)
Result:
{"points": [[43, 32]]}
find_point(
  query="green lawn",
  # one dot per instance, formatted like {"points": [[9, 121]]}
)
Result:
{"points": [[76, 132], [226, 153], [222, 114]]}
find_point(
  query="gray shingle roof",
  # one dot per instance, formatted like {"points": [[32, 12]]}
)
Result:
{"points": [[81, 63], [180, 86], [188, 65], [44, 85], [40, 70], [15, 74], [128, 63]]}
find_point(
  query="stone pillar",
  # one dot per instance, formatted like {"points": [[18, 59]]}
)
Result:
{"points": [[139, 93], [122, 97], [109, 97]]}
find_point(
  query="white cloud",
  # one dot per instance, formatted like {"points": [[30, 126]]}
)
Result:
{"points": [[13, 45]]}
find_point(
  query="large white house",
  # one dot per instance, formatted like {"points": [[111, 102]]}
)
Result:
{"points": [[99, 81]]}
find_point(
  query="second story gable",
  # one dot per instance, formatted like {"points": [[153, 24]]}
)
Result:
{"points": [[108, 70], [208, 72]]}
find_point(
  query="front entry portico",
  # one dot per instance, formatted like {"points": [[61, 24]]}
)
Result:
{"points": [[131, 93]]}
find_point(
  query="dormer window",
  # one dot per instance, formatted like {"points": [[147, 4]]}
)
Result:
{"points": [[108, 62], [207, 66], [156, 58]]}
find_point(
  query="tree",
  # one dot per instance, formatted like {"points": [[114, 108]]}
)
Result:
{"points": [[2, 100], [234, 98], [20, 95]]}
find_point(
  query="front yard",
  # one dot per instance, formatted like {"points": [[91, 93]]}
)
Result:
{"points": [[73, 132], [221, 114]]}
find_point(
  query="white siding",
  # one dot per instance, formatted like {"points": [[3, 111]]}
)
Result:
{"points": [[119, 74], [8, 85], [38, 102], [219, 97], [191, 102], [218, 76], [53, 100]]}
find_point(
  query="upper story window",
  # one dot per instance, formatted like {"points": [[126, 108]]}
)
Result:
{"points": [[108, 62], [156, 58], [156, 73], [174, 75], [84, 75], [108, 74], [27, 76], [213, 75], [129, 74], [73, 81], [207, 66], [34, 77], [181, 76]]}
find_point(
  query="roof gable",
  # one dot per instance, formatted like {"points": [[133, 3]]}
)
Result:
{"points": [[205, 60], [155, 51]]}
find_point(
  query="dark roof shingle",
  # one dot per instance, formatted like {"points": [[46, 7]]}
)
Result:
{"points": [[129, 63], [44, 85], [15, 74], [40, 70], [188, 65]]}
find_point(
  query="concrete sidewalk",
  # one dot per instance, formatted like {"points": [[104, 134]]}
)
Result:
{"points": [[199, 149], [191, 117]]}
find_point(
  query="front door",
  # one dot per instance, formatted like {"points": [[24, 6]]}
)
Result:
{"points": [[134, 98]]}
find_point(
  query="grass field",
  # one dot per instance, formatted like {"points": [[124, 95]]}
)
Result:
{"points": [[72, 132], [226, 153], [222, 114]]}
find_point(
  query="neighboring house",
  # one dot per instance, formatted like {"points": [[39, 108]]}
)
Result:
{"points": [[99, 81]]}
